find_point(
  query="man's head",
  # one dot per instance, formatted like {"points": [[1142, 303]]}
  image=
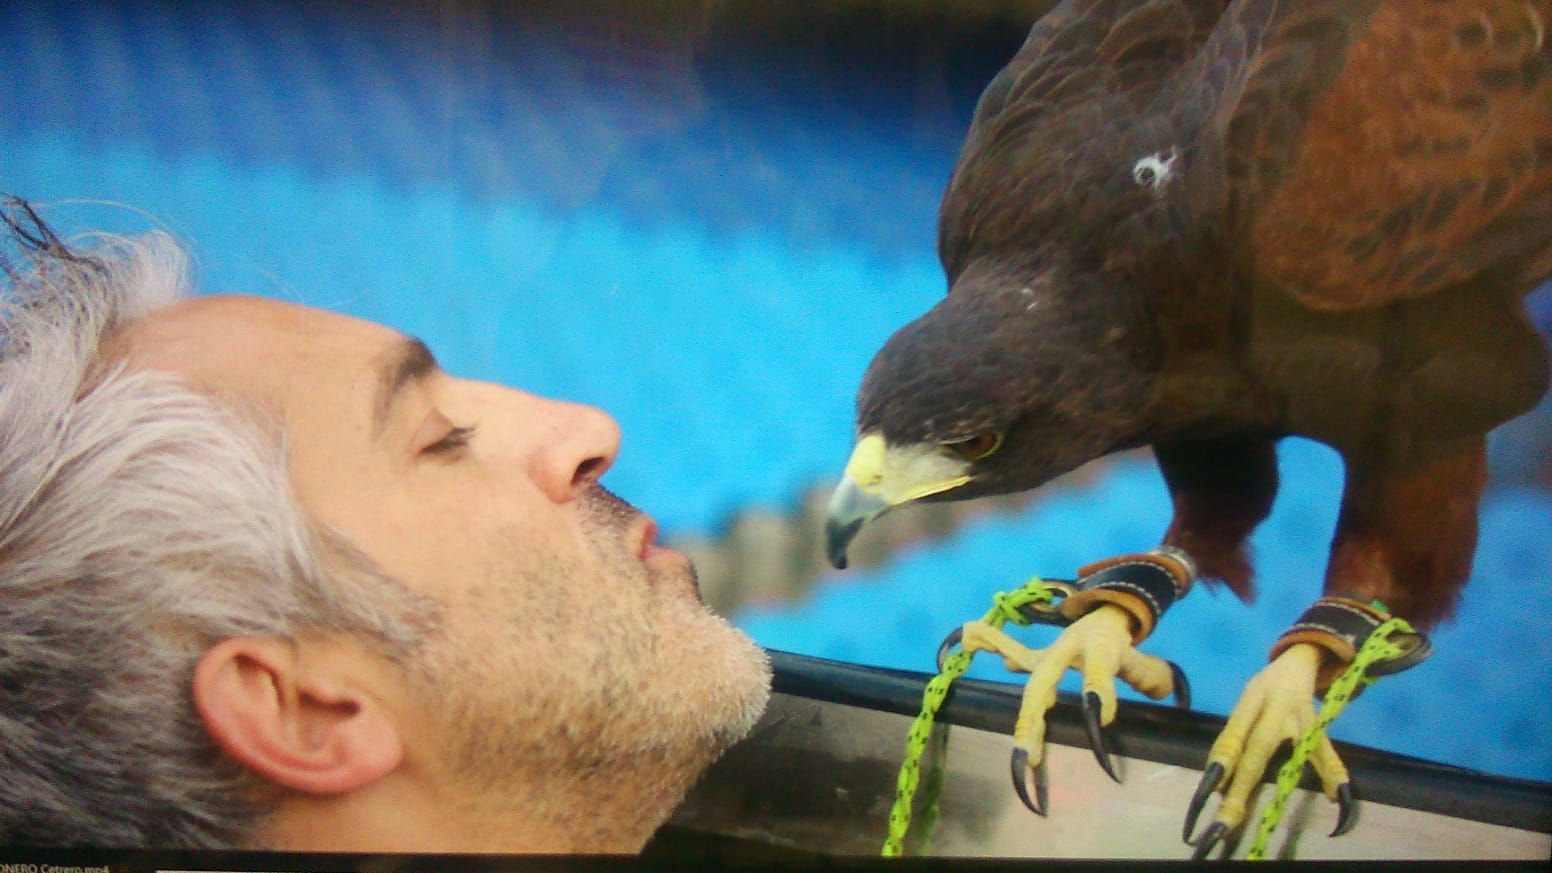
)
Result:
{"points": [[361, 603]]}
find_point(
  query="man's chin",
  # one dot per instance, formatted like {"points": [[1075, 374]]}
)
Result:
{"points": [[711, 660], [748, 691]]}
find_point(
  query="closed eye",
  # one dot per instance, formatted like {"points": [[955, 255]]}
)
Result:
{"points": [[455, 439]]}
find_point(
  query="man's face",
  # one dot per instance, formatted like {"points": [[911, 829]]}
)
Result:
{"points": [[570, 641]]}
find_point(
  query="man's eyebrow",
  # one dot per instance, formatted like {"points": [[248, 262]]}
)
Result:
{"points": [[408, 361]]}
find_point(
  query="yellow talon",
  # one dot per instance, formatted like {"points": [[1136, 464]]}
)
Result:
{"points": [[1276, 706], [1100, 644]]}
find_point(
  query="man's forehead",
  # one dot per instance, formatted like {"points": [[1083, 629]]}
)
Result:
{"points": [[249, 342]]}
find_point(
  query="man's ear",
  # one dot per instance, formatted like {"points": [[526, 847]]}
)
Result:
{"points": [[298, 723]]}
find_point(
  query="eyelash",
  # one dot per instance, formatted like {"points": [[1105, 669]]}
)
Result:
{"points": [[456, 439]]}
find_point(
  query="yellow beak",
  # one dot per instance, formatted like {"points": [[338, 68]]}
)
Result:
{"points": [[879, 478]]}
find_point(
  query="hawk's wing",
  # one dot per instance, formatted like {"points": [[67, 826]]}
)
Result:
{"points": [[1375, 155], [1077, 59]]}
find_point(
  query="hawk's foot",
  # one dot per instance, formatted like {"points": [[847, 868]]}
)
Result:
{"points": [[1100, 644], [1276, 706]]}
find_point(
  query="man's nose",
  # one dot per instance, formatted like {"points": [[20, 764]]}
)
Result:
{"points": [[582, 443]]}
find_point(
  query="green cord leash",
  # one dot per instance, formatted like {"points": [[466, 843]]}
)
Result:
{"points": [[1376, 648], [1006, 605], [1005, 608]]}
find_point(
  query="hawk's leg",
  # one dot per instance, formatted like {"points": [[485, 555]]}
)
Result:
{"points": [[1405, 538], [1222, 489]]}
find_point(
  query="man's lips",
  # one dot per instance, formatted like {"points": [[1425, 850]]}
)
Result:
{"points": [[647, 548], [646, 538], [649, 552]]}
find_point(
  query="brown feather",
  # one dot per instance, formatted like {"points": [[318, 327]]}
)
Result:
{"points": [[1082, 76], [1222, 489], [1417, 168], [1406, 536]]}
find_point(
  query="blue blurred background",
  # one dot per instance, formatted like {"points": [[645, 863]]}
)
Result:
{"points": [[703, 217]]}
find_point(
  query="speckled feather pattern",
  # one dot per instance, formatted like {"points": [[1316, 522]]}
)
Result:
{"points": [[1427, 162]]}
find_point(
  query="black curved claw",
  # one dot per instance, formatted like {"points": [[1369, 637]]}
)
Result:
{"points": [[1091, 707], [1346, 809], [1204, 789], [1415, 649], [954, 638], [1181, 684], [1209, 840], [1020, 762]]}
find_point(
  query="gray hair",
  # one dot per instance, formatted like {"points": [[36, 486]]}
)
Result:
{"points": [[140, 522]]}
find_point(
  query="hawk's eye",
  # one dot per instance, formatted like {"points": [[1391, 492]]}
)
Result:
{"points": [[976, 447]]}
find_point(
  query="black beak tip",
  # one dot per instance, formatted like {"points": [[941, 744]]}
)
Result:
{"points": [[838, 536]]}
